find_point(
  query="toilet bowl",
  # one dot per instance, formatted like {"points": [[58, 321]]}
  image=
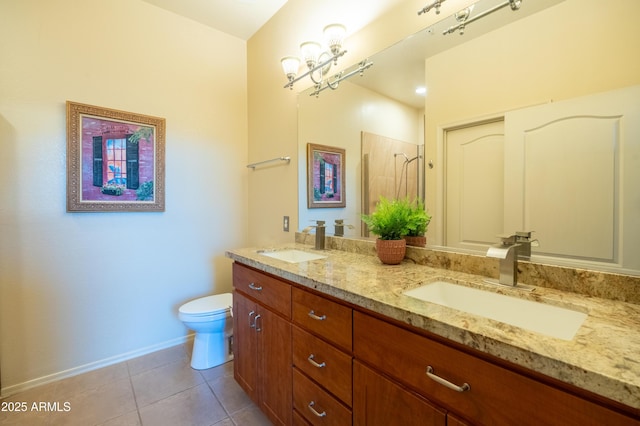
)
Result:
{"points": [[210, 318]]}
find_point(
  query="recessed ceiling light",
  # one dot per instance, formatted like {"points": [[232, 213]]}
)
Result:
{"points": [[421, 90]]}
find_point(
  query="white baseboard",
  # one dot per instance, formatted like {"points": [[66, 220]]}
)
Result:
{"points": [[10, 390]]}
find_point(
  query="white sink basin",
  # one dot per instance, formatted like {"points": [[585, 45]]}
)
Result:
{"points": [[292, 256], [550, 320]]}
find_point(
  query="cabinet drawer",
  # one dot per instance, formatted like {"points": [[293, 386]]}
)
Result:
{"points": [[496, 395], [316, 405], [325, 364], [323, 317], [269, 291], [298, 420]]}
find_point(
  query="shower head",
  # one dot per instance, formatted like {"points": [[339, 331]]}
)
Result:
{"points": [[401, 153]]}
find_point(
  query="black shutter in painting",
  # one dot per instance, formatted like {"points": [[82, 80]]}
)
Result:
{"points": [[322, 182], [133, 164], [334, 177], [97, 161]]}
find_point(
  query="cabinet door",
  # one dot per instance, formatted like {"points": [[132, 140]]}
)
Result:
{"points": [[379, 401], [274, 359], [245, 345]]}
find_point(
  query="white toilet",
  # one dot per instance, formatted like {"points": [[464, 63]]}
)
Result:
{"points": [[210, 318]]}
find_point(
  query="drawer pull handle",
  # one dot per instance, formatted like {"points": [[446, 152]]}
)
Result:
{"points": [[252, 286], [252, 324], [315, 364], [255, 323], [446, 383], [316, 317], [313, 410]]}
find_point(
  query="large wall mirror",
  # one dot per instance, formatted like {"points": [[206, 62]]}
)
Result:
{"points": [[531, 122]]}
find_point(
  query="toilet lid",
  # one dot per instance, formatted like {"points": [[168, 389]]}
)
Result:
{"points": [[208, 304]]}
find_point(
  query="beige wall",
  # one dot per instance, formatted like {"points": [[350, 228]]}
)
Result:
{"points": [[556, 54], [81, 290]]}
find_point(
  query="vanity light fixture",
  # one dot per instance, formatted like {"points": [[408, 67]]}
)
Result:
{"points": [[435, 5], [464, 16], [333, 84], [317, 59]]}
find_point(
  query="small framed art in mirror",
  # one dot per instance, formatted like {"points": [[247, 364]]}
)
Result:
{"points": [[325, 176], [115, 160]]}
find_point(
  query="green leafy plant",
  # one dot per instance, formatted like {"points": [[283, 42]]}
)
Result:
{"points": [[145, 192], [142, 133], [390, 220], [418, 219]]}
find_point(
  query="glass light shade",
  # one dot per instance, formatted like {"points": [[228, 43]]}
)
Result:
{"points": [[334, 36], [310, 51], [290, 65]]}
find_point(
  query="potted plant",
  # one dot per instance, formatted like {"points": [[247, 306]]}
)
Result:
{"points": [[418, 221], [390, 222]]}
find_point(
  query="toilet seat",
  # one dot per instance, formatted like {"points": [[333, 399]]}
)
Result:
{"points": [[216, 305]]}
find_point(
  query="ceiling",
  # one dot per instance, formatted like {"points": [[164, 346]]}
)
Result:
{"points": [[242, 18]]}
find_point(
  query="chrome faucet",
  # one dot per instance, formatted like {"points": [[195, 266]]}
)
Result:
{"points": [[320, 228], [339, 224], [508, 251]]}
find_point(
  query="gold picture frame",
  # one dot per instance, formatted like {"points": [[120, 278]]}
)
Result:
{"points": [[325, 176], [115, 160]]}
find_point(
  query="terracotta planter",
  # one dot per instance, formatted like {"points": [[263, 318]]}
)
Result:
{"points": [[391, 252], [420, 241]]}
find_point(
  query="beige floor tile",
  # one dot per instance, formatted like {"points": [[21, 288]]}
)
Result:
{"points": [[162, 382], [27, 417], [212, 374], [98, 405], [22, 409], [225, 422], [250, 416], [130, 419], [91, 380], [194, 407], [155, 389], [157, 359], [230, 394]]}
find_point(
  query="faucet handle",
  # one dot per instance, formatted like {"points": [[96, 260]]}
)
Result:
{"points": [[508, 239], [524, 235]]}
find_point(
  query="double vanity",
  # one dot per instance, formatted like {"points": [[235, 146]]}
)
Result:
{"points": [[334, 337]]}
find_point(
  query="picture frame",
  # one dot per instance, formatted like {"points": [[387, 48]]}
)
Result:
{"points": [[325, 176], [115, 160]]}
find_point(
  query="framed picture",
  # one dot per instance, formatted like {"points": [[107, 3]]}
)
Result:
{"points": [[325, 176], [115, 160]]}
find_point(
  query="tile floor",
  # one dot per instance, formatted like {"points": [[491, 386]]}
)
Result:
{"points": [[155, 390]]}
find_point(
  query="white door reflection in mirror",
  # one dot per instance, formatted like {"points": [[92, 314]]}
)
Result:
{"points": [[572, 184], [474, 159], [559, 170]]}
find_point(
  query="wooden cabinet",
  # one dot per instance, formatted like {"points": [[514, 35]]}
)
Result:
{"points": [[306, 359], [322, 374], [262, 342], [470, 387], [380, 402]]}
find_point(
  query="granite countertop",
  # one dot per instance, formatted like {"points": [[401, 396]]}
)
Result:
{"points": [[603, 357]]}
